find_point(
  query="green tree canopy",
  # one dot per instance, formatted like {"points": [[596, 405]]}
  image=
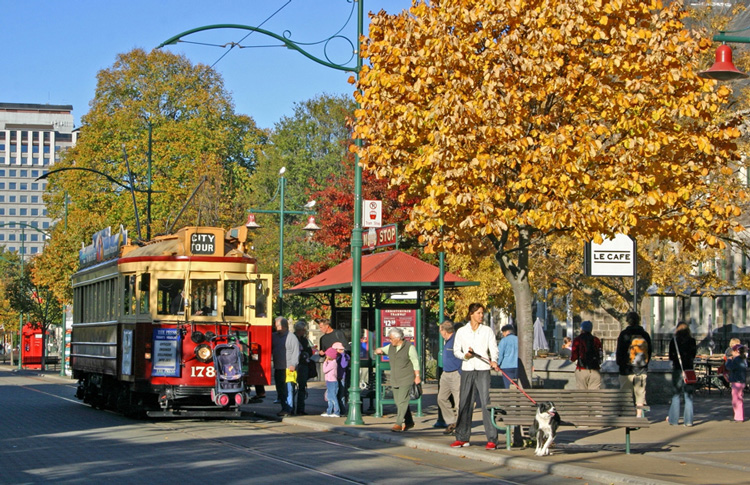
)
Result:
{"points": [[195, 135]]}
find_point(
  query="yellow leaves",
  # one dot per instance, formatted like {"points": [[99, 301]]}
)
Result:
{"points": [[604, 20]]}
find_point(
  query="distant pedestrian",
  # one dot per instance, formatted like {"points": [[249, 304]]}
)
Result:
{"points": [[330, 371], [682, 350], [567, 348], [507, 355], [343, 360], [633, 355], [450, 379], [737, 367], [404, 361], [587, 353], [304, 366], [476, 346], [285, 353]]}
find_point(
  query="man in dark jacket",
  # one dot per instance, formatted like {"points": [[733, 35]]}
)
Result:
{"points": [[633, 355]]}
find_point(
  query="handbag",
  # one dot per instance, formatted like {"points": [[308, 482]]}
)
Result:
{"points": [[688, 376], [415, 392]]}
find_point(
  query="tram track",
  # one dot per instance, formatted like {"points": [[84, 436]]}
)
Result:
{"points": [[262, 428]]}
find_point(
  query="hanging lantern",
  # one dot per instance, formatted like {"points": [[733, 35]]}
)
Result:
{"points": [[251, 224], [723, 69], [311, 226]]}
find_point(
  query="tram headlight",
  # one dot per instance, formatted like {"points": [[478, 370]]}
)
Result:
{"points": [[204, 353]]}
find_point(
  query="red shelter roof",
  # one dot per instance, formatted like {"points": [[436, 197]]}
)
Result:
{"points": [[382, 271]]}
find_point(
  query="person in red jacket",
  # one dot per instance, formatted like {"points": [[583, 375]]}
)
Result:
{"points": [[587, 353]]}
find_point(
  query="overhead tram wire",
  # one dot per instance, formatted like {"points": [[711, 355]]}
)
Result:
{"points": [[238, 44]]}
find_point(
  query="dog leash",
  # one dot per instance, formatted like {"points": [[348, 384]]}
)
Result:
{"points": [[487, 361]]}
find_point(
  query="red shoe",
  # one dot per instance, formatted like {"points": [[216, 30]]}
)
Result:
{"points": [[490, 446], [459, 444]]}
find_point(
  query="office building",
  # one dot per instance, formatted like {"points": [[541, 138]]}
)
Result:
{"points": [[32, 136]]}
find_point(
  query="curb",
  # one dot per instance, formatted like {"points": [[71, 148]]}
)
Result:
{"points": [[539, 466]]}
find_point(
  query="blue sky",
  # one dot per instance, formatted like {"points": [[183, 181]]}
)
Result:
{"points": [[52, 50]]}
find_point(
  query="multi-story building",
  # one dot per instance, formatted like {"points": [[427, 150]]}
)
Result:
{"points": [[32, 136]]}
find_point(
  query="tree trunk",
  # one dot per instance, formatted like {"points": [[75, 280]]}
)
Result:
{"points": [[516, 271]]}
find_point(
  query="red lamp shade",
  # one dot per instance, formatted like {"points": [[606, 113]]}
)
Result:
{"points": [[723, 69], [251, 224]]}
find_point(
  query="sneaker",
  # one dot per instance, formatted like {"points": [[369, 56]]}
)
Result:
{"points": [[459, 444], [490, 446], [334, 415], [326, 415]]}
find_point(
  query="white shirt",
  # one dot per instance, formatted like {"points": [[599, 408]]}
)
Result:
{"points": [[481, 340]]}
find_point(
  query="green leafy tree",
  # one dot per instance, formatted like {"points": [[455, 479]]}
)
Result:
{"points": [[196, 139], [510, 121], [37, 302]]}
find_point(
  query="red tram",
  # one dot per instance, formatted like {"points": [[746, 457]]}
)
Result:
{"points": [[148, 318]]}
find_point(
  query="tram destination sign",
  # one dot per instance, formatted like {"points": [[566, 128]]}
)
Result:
{"points": [[202, 243]]}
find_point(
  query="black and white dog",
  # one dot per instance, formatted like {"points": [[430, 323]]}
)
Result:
{"points": [[545, 426]]}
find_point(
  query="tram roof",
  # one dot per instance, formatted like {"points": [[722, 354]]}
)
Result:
{"points": [[382, 271]]}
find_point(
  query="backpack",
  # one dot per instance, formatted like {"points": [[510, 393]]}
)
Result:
{"points": [[638, 353], [590, 359]]}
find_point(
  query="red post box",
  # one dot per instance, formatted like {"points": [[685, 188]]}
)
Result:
{"points": [[32, 347]]}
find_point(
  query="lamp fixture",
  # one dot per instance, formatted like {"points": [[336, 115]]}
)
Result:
{"points": [[723, 69]]}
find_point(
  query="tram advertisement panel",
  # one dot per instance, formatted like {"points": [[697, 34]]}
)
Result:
{"points": [[404, 319], [166, 352]]}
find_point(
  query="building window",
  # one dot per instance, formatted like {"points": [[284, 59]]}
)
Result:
{"points": [[2, 198], [34, 186], [45, 225], [12, 199], [2, 185], [2, 211], [44, 212], [24, 186], [2, 173], [34, 250], [24, 173], [2, 237], [11, 237], [34, 224], [34, 212], [11, 173], [12, 212], [34, 199], [12, 249], [11, 185], [23, 211], [23, 199], [35, 237], [35, 173]]}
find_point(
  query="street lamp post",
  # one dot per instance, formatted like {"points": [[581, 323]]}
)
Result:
{"points": [[355, 401], [723, 69], [311, 226]]}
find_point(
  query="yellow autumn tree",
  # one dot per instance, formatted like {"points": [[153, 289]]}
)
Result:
{"points": [[511, 120]]}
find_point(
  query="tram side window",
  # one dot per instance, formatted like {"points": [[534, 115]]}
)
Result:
{"points": [[234, 298], [203, 297], [261, 299], [129, 295], [170, 297], [144, 287]]}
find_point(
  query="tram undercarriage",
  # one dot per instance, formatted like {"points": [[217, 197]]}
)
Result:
{"points": [[164, 401]]}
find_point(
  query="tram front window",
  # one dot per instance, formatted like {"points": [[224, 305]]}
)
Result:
{"points": [[234, 298], [170, 297], [203, 297]]}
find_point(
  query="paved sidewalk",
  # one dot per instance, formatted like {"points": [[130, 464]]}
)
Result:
{"points": [[714, 451]]}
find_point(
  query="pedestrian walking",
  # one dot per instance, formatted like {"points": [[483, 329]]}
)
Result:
{"points": [[737, 367], [450, 379], [507, 355], [306, 369], [633, 354], [587, 353], [476, 347], [330, 371], [285, 353], [404, 361], [682, 350]]}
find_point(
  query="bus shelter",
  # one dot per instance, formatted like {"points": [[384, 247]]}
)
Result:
{"points": [[386, 277]]}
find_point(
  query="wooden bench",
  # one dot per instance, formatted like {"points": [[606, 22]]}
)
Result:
{"points": [[603, 408]]}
